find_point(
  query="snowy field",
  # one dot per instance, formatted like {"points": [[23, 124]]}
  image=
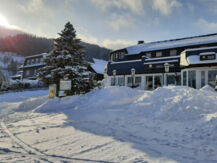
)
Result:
{"points": [[114, 124]]}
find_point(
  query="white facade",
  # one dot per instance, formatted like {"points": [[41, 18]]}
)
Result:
{"points": [[143, 81]]}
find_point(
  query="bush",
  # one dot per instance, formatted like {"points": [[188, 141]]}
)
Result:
{"points": [[15, 85]]}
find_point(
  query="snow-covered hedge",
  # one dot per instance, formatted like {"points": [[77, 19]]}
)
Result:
{"points": [[20, 85]]}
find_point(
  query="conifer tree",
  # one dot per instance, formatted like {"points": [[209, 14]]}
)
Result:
{"points": [[67, 61]]}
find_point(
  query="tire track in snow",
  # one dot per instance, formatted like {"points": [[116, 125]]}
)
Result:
{"points": [[40, 155]]}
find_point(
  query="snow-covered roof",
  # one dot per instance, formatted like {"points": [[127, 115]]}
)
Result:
{"points": [[99, 65], [38, 55], [168, 44]]}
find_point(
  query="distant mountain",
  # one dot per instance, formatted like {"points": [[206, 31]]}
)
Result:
{"points": [[4, 32], [26, 45]]}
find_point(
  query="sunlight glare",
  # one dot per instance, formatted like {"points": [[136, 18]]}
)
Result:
{"points": [[4, 22]]}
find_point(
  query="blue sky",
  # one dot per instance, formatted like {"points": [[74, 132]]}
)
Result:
{"points": [[113, 23]]}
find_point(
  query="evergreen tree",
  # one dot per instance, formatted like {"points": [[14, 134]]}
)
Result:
{"points": [[67, 61]]}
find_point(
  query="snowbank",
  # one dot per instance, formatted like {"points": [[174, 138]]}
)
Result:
{"points": [[165, 103], [169, 124]]}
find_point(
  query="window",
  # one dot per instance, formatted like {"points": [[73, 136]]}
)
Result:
{"points": [[184, 78], [117, 56], [159, 66], [28, 62], [129, 81], [192, 79], [158, 54], [171, 80], [120, 55], [173, 52], [138, 81], [27, 72], [113, 81], [158, 81], [148, 55], [121, 81], [202, 78], [33, 61], [39, 60], [212, 77], [178, 79], [149, 84]]}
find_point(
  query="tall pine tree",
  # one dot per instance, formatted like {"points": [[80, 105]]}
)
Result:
{"points": [[67, 60]]}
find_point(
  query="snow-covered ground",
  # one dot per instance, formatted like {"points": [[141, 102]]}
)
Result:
{"points": [[114, 124]]}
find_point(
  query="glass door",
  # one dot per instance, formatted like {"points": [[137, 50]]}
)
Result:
{"points": [[149, 83], [212, 77], [158, 81]]}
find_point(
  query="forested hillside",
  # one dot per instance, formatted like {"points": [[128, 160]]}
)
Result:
{"points": [[26, 45]]}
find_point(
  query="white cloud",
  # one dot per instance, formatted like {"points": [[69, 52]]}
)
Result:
{"points": [[207, 26], [116, 44], [88, 39], [165, 6], [107, 43], [31, 6], [118, 22], [35, 7], [135, 6]]}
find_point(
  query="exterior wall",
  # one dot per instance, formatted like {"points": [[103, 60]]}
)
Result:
{"points": [[154, 66], [31, 66]]}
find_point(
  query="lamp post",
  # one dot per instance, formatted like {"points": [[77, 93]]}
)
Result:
{"points": [[167, 68], [114, 75], [133, 72]]}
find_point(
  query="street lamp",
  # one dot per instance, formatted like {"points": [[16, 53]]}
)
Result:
{"points": [[114, 75], [167, 68], [133, 72]]}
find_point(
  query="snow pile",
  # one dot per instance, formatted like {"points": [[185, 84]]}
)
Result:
{"points": [[113, 124], [166, 103]]}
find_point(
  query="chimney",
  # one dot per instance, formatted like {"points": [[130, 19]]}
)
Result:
{"points": [[141, 42]]}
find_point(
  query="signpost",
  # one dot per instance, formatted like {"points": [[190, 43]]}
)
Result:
{"points": [[65, 85], [52, 91]]}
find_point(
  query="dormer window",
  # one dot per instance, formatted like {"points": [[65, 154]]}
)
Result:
{"points": [[173, 52], [159, 54], [117, 56]]}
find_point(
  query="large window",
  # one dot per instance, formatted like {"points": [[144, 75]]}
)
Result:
{"points": [[121, 81], [192, 79], [171, 80], [113, 81], [178, 79], [129, 81], [158, 81], [149, 83], [212, 77], [184, 78], [203, 78], [138, 81]]}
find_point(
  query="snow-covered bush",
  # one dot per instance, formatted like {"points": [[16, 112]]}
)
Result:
{"points": [[14, 85]]}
